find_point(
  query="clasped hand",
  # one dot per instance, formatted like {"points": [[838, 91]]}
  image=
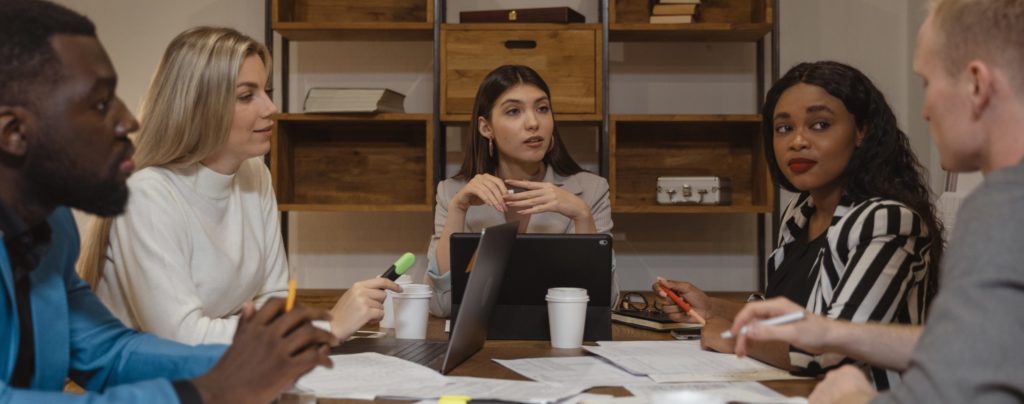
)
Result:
{"points": [[538, 197]]}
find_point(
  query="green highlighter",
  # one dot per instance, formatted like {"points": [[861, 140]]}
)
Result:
{"points": [[400, 266]]}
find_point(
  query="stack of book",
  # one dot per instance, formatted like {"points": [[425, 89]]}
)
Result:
{"points": [[675, 12], [353, 100]]}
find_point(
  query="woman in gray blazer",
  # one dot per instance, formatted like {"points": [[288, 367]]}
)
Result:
{"points": [[515, 168]]}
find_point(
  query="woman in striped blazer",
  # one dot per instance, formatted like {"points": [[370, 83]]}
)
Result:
{"points": [[861, 241]]}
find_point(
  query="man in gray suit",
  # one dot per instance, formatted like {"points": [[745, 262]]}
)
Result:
{"points": [[970, 54]]}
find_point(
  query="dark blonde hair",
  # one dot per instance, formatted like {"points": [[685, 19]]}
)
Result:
{"points": [[991, 30], [186, 115]]}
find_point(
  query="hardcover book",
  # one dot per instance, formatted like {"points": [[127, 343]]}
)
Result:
{"points": [[656, 321], [353, 100], [671, 19], [674, 9], [563, 15]]}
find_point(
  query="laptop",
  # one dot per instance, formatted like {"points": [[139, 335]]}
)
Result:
{"points": [[468, 335], [539, 262]]}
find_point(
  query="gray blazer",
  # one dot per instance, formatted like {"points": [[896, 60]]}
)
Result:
{"points": [[591, 188]]}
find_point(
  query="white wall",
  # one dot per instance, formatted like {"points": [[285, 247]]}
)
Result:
{"points": [[715, 251]]}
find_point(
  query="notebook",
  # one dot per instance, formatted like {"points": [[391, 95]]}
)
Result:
{"points": [[468, 335]]}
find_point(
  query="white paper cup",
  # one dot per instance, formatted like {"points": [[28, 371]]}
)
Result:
{"points": [[412, 307], [567, 314], [389, 307]]}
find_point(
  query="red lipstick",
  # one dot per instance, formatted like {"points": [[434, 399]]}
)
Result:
{"points": [[801, 165]]}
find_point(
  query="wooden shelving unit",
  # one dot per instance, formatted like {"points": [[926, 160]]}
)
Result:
{"points": [[392, 162]]}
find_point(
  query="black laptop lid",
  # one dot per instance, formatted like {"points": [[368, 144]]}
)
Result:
{"points": [[539, 262]]}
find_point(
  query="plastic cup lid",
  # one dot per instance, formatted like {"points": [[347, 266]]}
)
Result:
{"points": [[414, 290], [559, 293]]}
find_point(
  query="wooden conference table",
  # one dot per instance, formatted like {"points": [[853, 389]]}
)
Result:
{"points": [[482, 365]]}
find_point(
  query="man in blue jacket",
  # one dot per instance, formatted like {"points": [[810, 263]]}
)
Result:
{"points": [[63, 142]]}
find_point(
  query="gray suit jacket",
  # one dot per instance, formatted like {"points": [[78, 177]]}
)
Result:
{"points": [[591, 188]]}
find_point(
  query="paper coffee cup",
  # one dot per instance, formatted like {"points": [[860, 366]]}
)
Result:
{"points": [[389, 306], [567, 314], [412, 307]]}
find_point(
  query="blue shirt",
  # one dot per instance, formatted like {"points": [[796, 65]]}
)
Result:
{"points": [[76, 337]]}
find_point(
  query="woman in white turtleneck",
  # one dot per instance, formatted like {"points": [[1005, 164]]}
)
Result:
{"points": [[201, 233]]}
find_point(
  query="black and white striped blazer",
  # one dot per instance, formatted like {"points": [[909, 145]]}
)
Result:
{"points": [[874, 269]]}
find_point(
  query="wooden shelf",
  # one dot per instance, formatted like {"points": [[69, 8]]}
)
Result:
{"points": [[367, 31], [706, 32], [300, 207], [717, 21], [327, 162], [691, 209], [518, 26], [560, 118], [319, 20], [645, 147]]}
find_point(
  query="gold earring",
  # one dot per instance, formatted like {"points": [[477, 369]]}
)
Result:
{"points": [[490, 147]]}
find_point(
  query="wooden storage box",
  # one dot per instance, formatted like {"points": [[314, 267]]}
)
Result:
{"points": [[356, 163], [568, 57], [645, 147]]}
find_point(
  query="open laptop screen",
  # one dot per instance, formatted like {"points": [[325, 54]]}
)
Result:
{"points": [[539, 262]]}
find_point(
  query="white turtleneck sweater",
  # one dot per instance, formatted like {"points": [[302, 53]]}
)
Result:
{"points": [[192, 247]]}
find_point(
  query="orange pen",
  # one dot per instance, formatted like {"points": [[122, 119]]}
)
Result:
{"points": [[290, 300], [681, 303]]}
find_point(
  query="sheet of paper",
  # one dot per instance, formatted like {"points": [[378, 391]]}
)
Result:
{"points": [[580, 371], [743, 392], [494, 389], [684, 361], [367, 375], [583, 398]]}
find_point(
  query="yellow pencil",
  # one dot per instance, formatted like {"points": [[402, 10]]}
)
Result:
{"points": [[288, 304]]}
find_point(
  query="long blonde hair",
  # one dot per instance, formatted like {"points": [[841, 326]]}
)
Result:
{"points": [[186, 115]]}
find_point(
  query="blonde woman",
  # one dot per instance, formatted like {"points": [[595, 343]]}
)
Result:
{"points": [[200, 236]]}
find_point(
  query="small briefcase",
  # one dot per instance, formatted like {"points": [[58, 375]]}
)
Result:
{"points": [[563, 15]]}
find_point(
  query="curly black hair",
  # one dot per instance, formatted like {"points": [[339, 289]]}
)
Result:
{"points": [[883, 166], [26, 58]]}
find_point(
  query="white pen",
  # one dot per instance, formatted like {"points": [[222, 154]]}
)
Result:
{"points": [[783, 319]]}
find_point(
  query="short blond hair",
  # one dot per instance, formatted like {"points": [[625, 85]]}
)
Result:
{"points": [[186, 114], [990, 30]]}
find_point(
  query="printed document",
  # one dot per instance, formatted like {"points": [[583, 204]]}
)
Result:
{"points": [[581, 371], [743, 392], [366, 375], [684, 361], [490, 389]]}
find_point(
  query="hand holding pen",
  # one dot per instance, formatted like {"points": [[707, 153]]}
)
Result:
{"points": [[363, 303], [779, 319], [682, 301]]}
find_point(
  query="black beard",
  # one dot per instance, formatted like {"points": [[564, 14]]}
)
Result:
{"points": [[56, 178]]}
